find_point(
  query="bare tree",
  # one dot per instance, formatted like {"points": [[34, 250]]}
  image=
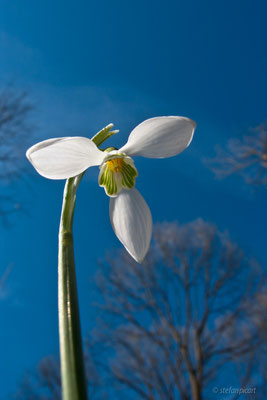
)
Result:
{"points": [[188, 322], [246, 156], [187, 316], [45, 382], [15, 128]]}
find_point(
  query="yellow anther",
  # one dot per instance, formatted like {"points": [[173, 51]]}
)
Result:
{"points": [[116, 164]]}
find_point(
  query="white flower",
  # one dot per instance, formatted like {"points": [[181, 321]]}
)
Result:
{"points": [[130, 216]]}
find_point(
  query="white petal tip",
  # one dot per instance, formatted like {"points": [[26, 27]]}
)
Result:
{"points": [[28, 154], [160, 137], [132, 222], [63, 158], [138, 260]]}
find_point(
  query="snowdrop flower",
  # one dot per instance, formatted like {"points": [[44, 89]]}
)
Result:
{"points": [[130, 216]]}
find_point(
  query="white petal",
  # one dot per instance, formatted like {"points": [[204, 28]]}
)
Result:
{"points": [[63, 158], [131, 220], [160, 137]]}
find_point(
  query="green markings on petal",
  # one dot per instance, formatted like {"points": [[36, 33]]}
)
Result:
{"points": [[116, 174], [129, 173], [107, 180], [102, 178], [111, 184]]}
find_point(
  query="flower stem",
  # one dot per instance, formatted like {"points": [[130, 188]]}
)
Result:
{"points": [[73, 379]]}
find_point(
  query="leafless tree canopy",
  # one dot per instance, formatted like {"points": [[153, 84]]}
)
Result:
{"points": [[15, 128], [247, 157], [45, 382], [190, 314], [42, 385], [190, 318]]}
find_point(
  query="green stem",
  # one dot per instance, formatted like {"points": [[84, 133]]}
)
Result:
{"points": [[73, 380], [71, 356]]}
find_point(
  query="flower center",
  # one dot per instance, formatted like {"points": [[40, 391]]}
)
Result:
{"points": [[116, 164], [117, 173]]}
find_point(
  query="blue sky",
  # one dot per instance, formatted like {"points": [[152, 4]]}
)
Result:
{"points": [[88, 63]]}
